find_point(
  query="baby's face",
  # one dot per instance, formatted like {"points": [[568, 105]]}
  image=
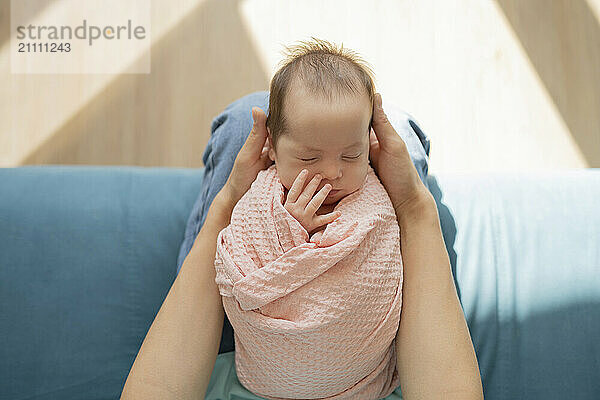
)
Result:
{"points": [[327, 139]]}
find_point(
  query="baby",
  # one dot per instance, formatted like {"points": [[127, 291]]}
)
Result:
{"points": [[315, 316], [320, 113]]}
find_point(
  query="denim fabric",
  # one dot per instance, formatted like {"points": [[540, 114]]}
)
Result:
{"points": [[229, 131]]}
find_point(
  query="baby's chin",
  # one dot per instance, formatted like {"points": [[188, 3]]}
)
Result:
{"points": [[328, 202], [335, 199]]}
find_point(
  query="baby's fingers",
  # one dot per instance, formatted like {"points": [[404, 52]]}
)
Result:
{"points": [[319, 198], [327, 218], [297, 186]]}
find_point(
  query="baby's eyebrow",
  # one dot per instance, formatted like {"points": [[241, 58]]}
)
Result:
{"points": [[347, 147]]}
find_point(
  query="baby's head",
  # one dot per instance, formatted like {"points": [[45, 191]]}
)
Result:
{"points": [[320, 113]]}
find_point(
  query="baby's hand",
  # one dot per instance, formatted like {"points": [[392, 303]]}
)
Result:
{"points": [[298, 205]]}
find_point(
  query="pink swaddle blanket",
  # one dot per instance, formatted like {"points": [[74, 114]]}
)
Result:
{"points": [[313, 317]]}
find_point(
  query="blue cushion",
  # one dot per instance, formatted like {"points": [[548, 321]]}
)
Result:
{"points": [[526, 262], [88, 255]]}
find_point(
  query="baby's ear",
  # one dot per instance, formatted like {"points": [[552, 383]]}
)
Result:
{"points": [[270, 147]]}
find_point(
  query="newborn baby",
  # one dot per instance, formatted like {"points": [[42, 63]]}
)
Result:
{"points": [[311, 279]]}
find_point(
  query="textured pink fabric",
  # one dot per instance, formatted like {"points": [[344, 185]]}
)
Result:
{"points": [[313, 317]]}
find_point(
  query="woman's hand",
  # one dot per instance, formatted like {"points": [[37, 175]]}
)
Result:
{"points": [[390, 159], [252, 158], [303, 206]]}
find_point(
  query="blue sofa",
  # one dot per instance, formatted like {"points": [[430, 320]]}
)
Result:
{"points": [[88, 254]]}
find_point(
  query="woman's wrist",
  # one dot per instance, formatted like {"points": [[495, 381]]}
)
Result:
{"points": [[222, 205], [422, 205], [217, 218]]}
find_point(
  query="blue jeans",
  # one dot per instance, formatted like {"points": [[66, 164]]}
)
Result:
{"points": [[229, 131]]}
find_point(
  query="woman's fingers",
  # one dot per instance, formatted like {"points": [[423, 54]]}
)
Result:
{"points": [[264, 157], [373, 147], [258, 134], [384, 130], [258, 137], [259, 120], [250, 160], [372, 138]]}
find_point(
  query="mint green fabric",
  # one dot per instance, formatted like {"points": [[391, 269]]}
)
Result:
{"points": [[224, 383]]}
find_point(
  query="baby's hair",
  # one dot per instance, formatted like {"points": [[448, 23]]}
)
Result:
{"points": [[324, 71]]}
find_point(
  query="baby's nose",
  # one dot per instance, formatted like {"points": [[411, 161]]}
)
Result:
{"points": [[332, 173]]}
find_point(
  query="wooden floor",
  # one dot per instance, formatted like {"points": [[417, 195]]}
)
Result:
{"points": [[496, 85]]}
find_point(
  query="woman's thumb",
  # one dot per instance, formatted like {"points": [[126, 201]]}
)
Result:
{"points": [[381, 125], [259, 129], [373, 147]]}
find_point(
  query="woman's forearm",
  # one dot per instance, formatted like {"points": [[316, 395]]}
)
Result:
{"points": [[435, 354], [179, 352]]}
